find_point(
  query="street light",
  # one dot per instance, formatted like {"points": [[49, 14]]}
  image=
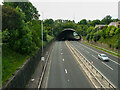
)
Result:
{"points": [[42, 30], [42, 58], [42, 33]]}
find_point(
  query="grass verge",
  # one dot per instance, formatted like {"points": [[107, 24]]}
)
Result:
{"points": [[103, 49], [10, 62]]}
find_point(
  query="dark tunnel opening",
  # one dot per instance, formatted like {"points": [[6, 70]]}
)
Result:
{"points": [[68, 34]]}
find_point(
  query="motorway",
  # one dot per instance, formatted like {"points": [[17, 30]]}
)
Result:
{"points": [[63, 71], [108, 69]]}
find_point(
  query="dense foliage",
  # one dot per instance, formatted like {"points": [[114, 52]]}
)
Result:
{"points": [[21, 28]]}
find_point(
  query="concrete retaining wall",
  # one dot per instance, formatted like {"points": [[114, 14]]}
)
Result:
{"points": [[24, 73]]}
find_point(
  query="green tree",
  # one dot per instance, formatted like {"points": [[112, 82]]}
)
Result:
{"points": [[26, 7], [95, 22], [12, 18], [117, 31], [16, 33], [83, 22], [110, 31], [104, 31], [106, 20]]}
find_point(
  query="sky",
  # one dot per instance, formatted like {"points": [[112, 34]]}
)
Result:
{"points": [[76, 9]]}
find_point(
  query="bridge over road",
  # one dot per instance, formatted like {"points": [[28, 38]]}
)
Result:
{"points": [[67, 34]]}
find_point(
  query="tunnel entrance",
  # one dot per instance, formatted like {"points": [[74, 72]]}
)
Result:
{"points": [[68, 34]]}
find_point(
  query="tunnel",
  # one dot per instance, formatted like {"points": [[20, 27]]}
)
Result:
{"points": [[67, 34]]}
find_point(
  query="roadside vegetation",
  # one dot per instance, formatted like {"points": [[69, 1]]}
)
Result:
{"points": [[21, 33]]}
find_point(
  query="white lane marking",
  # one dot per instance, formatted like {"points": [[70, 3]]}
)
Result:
{"points": [[49, 66], [61, 49], [97, 53], [114, 61], [68, 80], [61, 53], [63, 60], [89, 48], [94, 57], [107, 66], [32, 79], [66, 71]]}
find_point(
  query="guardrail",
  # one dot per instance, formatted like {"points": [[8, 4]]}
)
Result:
{"points": [[44, 68], [93, 70]]}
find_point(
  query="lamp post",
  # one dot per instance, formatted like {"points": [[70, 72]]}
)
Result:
{"points": [[42, 33], [42, 58]]}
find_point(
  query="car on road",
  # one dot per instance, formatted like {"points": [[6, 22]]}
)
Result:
{"points": [[103, 57]]}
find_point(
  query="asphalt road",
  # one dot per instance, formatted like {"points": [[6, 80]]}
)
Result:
{"points": [[63, 71], [109, 69]]}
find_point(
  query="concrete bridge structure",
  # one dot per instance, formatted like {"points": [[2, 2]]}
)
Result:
{"points": [[67, 34]]}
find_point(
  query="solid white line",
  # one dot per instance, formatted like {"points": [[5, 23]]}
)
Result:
{"points": [[66, 71], [107, 66], [63, 60], [89, 48], [97, 53], [48, 74], [43, 72], [94, 56]]}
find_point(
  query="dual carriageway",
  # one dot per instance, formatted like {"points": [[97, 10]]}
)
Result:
{"points": [[65, 70]]}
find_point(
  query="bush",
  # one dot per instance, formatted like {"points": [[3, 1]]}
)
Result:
{"points": [[117, 31], [18, 38], [88, 37]]}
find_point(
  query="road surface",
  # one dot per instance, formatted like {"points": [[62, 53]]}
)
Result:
{"points": [[109, 69], [63, 71]]}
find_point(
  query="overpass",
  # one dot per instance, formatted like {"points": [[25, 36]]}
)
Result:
{"points": [[67, 34]]}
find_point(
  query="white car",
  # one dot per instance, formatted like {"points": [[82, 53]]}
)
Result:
{"points": [[103, 57]]}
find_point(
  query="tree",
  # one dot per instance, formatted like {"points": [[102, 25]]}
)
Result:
{"points": [[104, 31], [83, 22], [12, 18], [106, 20], [117, 31], [26, 7], [95, 22], [16, 33], [110, 31]]}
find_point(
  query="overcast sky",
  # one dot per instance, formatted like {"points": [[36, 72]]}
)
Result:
{"points": [[76, 9]]}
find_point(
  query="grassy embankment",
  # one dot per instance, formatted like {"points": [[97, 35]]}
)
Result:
{"points": [[112, 44], [12, 60]]}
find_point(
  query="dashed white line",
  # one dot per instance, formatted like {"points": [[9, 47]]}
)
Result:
{"points": [[94, 57], [107, 66], [63, 60], [114, 61], [66, 71], [97, 53], [61, 53]]}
